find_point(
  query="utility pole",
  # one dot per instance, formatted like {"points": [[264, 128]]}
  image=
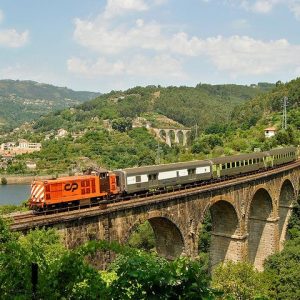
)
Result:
{"points": [[284, 115], [196, 131]]}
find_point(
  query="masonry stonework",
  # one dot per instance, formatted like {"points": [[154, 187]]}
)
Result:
{"points": [[249, 220]]}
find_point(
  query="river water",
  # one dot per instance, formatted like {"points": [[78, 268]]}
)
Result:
{"points": [[13, 193]]}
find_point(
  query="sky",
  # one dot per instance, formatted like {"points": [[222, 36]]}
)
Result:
{"points": [[99, 45]]}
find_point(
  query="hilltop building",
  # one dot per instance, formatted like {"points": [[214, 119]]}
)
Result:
{"points": [[270, 131]]}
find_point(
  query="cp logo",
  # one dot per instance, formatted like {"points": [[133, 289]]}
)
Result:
{"points": [[71, 187]]}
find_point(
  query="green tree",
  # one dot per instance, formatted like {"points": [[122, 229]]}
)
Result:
{"points": [[122, 124], [240, 281], [283, 270], [143, 237]]}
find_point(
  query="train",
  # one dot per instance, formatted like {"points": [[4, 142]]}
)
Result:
{"points": [[104, 185]]}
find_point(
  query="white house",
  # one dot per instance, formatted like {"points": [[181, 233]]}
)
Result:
{"points": [[270, 131], [23, 144]]}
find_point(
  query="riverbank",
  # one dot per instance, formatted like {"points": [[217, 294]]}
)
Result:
{"points": [[27, 179]]}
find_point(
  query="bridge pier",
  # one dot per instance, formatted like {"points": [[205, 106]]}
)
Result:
{"points": [[227, 247], [263, 240]]}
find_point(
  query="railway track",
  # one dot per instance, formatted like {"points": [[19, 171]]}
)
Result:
{"points": [[30, 219]]}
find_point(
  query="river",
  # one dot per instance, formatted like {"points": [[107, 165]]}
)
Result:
{"points": [[14, 193]]}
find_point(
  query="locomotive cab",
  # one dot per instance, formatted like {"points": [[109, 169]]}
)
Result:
{"points": [[108, 182]]}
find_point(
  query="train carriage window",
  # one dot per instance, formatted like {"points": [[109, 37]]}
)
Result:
{"points": [[152, 177], [246, 162], [233, 164], [228, 165], [103, 175], [242, 163], [223, 167], [191, 171], [138, 178], [237, 163], [250, 161]]}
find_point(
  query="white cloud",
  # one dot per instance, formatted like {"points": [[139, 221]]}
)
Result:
{"points": [[99, 36], [160, 66], [295, 8], [13, 39], [247, 56], [160, 2], [143, 48], [266, 6], [98, 68], [263, 6], [118, 7]]}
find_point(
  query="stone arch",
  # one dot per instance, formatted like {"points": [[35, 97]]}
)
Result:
{"points": [[172, 136], [286, 201], [162, 134], [179, 137], [262, 228], [225, 240], [169, 239]]}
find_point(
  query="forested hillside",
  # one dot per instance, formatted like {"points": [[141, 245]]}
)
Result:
{"points": [[101, 130], [27, 100], [202, 105], [245, 129]]}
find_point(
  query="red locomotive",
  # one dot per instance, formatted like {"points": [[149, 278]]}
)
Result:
{"points": [[75, 190]]}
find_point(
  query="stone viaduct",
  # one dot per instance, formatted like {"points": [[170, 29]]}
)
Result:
{"points": [[166, 135], [249, 218]]}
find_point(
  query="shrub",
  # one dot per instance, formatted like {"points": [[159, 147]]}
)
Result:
{"points": [[3, 181]]}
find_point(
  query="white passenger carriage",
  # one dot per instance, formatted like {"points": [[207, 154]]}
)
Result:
{"points": [[133, 180]]}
